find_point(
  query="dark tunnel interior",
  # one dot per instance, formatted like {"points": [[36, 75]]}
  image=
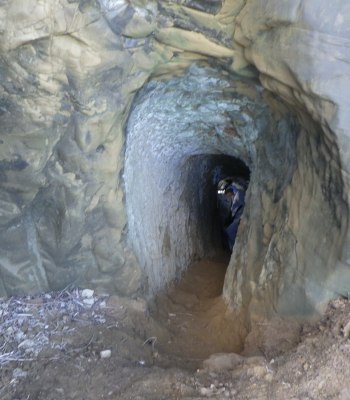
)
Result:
{"points": [[204, 173]]}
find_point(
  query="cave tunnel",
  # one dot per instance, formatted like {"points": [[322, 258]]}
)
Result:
{"points": [[204, 172], [174, 167], [186, 133], [120, 118]]}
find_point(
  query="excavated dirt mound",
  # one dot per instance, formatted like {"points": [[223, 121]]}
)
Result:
{"points": [[79, 344]]}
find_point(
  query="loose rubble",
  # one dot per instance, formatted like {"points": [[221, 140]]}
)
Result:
{"points": [[55, 346], [31, 323]]}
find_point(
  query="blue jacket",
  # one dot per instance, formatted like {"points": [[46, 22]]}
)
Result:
{"points": [[237, 205]]}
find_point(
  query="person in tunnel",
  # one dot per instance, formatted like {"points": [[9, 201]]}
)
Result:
{"points": [[231, 200]]}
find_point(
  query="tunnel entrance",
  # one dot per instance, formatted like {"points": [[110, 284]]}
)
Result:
{"points": [[185, 134], [172, 169], [183, 137]]}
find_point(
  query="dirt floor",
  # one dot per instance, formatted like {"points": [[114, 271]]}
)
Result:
{"points": [[80, 344]]}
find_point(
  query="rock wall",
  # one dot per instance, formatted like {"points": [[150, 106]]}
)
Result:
{"points": [[298, 50], [69, 74], [69, 71]]}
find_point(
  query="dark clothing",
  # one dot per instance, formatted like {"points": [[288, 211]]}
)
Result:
{"points": [[231, 209]]}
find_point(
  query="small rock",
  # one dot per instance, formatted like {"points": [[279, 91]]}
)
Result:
{"points": [[10, 330], [26, 344], [18, 373], [89, 301], [87, 293], [105, 353], [19, 336]]}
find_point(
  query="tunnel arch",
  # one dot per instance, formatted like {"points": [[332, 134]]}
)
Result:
{"points": [[177, 130]]}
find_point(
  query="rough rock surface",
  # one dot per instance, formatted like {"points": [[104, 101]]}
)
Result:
{"points": [[69, 73], [176, 135]]}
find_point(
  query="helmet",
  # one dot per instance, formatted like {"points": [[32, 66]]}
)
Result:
{"points": [[229, 185], [223, 185]]}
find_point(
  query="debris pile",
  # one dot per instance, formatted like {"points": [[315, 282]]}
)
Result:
{"points": [[28, 324]]}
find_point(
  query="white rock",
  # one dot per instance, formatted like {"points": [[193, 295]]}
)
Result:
{"points": [[87, 293], [89, 302], [105, 353], [9, 330]]}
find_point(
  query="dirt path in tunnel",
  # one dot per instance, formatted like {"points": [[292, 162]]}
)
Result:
{"points": [[197, 321]]}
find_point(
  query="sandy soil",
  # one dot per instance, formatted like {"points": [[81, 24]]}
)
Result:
{"points": [[79, 344]]}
